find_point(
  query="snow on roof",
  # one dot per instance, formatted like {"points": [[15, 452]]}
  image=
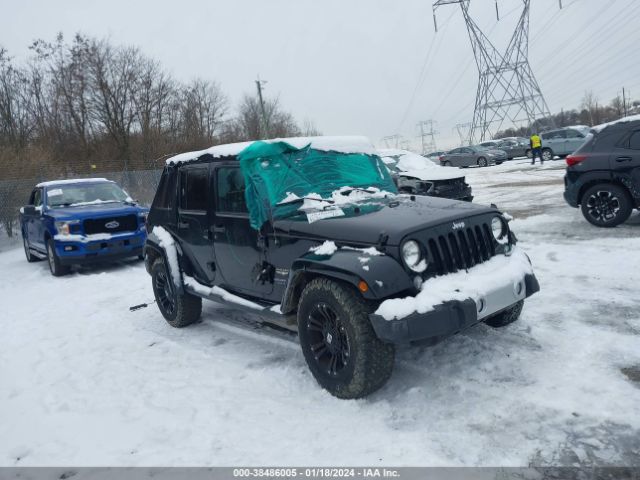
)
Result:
{"points": [[69, 181], [354, 144], [632, 118]]}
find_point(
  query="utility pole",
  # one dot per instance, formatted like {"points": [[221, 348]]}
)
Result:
{"points": [[624, 101], [265, 123], [507, 87], [428, 136]]}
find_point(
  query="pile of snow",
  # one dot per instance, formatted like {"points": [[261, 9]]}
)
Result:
{"points": [[407, 160], [350, 144], [475, 284], [632, 118], [327, 248]]}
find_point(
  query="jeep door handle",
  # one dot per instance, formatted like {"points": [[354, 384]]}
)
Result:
{"points": [[219, 229], [623, 159]]}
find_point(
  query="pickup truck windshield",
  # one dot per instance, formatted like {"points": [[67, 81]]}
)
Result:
{"points": [[75, 195], [278, 173]]}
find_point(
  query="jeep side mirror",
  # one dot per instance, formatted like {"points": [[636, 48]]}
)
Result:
{"points": [[29, 210]]}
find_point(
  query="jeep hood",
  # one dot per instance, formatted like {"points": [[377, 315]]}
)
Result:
{"points": [[396, 218]]}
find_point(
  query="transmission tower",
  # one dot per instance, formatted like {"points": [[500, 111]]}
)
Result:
{"points": [[392, 141], [464, 132], [507, 88], [428, 136]]}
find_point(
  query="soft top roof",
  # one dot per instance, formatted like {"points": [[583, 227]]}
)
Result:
{"points": [[351, 144], [71, 181]]}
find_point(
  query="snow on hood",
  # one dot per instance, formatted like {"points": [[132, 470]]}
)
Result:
{"points": [[632, 118], [71, 181], [413, 165], [353, 144]]}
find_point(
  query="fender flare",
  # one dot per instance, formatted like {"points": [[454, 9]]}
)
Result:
{"points": [[153, 243], [383, 274]]}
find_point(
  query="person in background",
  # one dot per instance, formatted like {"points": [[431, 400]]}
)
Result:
{"points": [[536, 148]]}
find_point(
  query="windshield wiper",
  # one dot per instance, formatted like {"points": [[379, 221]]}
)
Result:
{"points": [[358, 189]]}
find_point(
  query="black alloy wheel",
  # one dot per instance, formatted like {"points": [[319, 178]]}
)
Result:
{"points": [[606, 205], [328, 338], [164, 293]]}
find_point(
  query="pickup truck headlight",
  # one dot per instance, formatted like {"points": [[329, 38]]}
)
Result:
{"points": [[67, 227], [500, 230], [413, 257], [143, 218]]}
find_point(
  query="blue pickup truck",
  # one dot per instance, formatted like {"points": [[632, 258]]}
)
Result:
{"points": [[73, 222]]}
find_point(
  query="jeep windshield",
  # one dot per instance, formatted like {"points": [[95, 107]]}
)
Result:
{"points": [[76, 195], [283, 181]]}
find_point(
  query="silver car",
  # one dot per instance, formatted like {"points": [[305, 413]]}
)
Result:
{"points": [[563, 141], [472, 156], [514, 147]]}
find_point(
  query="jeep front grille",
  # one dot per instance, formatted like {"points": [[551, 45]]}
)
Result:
{"points": [[461, 249], [125, 223]]}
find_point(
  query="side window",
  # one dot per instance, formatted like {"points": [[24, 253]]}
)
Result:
{"points": [[634, 141], [466, 150], [574, 134], [230, 190], [165, 197], [37, 197], [193, 188], [32, 197]]}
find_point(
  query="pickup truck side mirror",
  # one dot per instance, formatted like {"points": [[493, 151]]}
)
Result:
{"points": [[29, 210]]}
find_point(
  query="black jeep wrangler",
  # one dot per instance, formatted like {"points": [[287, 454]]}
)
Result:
{"points": [[603, 176], [311, 235]]}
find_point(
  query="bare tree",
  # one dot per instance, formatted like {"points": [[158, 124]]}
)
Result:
{"points": [[203, 108]]}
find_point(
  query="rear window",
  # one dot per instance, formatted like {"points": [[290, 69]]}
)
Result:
{"points": [[194, 189], [166, 194]]}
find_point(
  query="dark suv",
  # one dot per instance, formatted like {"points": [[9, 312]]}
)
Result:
{"points": [[311, 235], [603, 176]]}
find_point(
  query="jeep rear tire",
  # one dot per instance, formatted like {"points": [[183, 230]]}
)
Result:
{"points": [[506, 317], [338, 342], [606, 205], [178, 309], [56, 268]]}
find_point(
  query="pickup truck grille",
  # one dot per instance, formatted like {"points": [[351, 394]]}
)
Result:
{"points": [[125, 223], [461, 249]]}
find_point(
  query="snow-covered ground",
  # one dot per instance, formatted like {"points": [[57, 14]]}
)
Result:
{"points": [[85, 382]]}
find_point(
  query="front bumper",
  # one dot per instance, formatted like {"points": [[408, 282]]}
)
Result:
{"points": [[450, 317], [80, 250]]}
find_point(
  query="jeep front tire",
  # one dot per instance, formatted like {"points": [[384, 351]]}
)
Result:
{"points": [[506, 317], [178, 309], [338, 342]]}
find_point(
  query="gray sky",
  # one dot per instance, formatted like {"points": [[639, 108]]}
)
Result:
{"points": [[352, 66]]}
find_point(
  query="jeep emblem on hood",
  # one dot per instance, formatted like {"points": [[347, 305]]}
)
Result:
{"points": [[458, 225], [112, 224]]}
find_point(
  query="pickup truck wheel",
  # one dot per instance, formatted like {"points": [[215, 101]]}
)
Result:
{"points": [[30, 257], [57, 269], [506, 317], [179, 310], [338, 342], [606, 205]]}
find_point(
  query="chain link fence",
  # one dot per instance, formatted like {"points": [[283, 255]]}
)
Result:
{"points": [[140, 185]]}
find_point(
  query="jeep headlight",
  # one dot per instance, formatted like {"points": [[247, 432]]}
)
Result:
{"points": [[500, 230], [412, 256]]}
